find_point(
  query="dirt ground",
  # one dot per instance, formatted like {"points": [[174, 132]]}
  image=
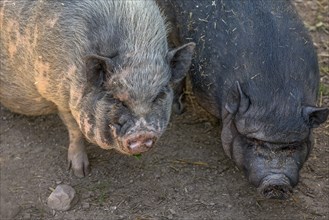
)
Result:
{"points": [[186, 176]]}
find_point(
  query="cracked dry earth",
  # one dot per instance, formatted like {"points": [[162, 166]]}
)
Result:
{"points": [[187, 175]]}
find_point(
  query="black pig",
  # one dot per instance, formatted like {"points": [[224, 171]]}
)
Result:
{"points": [[255, 69], [104, 66]]}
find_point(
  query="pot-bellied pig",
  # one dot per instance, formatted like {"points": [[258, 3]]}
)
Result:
{"points": [[104, 66], [256, 69]]}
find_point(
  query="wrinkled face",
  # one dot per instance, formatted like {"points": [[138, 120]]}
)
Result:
{"points": [[129, 109], [141, 107], [126, 105], [270, 145]]}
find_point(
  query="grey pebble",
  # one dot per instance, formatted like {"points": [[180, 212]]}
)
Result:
{"points": [[85, 205], [62, 198]]}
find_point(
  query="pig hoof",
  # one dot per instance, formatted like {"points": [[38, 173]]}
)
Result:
{"points": [[79, 163]]}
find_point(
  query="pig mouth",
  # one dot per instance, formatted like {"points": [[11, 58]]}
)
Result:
{"points": [[275, 186]]}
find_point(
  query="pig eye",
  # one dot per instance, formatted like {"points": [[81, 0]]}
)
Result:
{"points": [[161, 95], [255, 141], [120, 104], [289, 148], [124, 104], [292, 147]]}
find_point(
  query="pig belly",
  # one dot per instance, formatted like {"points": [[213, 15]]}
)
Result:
{"points": [[24, 99], [19, 85], [19, 93]]}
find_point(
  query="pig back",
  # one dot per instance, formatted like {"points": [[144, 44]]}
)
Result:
{"points": [[261, 44]]}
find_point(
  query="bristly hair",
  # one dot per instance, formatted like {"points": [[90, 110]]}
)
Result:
{"points": [[135, 29], [130, 25], [131, 28]]}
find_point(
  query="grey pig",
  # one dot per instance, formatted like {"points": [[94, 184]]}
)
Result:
{"points": [[104, 66]]}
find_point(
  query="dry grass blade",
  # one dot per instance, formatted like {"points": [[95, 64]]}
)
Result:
{"points": [[198, 163]]}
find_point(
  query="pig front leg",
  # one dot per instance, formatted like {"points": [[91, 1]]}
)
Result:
{"points": [[77, 155]]}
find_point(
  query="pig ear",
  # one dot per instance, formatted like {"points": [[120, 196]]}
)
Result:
{"points": [[180, 61], [97, 67], [237, 101], [315, 116]]}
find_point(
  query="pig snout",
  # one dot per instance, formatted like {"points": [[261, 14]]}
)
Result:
{"points": [[139, 143], [134, 136], [275, 186]]}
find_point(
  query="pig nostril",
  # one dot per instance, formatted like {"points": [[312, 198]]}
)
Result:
{"points": [[136, 144], [277, 192], [276, 186], [139, 143], [133, 144], [148, 143]]}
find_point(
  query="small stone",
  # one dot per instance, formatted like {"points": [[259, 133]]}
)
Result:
{"points": [[85, 205], [62, 198]]}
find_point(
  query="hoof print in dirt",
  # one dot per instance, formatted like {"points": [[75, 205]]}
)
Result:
{"points": [[62, 198]]}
